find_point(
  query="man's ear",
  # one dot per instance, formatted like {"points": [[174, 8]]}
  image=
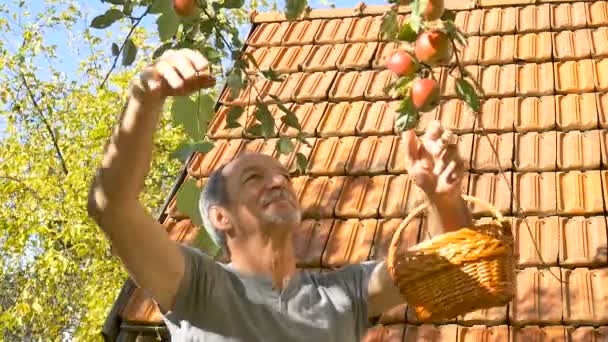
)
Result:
{"points": [[220, 218]]}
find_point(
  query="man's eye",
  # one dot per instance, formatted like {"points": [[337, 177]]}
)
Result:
{"points": [[252, 177]]}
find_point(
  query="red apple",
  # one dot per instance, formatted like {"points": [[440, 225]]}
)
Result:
{"points": [[434, 10], [401, 63], [425, 94], [184, 8], [433, 48]]}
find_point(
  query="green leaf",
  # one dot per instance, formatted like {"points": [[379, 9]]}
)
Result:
{"points": [[107, 19], [187, 201], [235, 83], [233, 3], [161, 6], [212, 54], [389, 26], [418, 7], [448, 15], [291, 120], [205, 113], [272, 75], [294, 8], [186, 148], [127, 9], [234, 114], [407, 33], [128, 53], [252, 60], [285, 145], [407, 116], [466, 92], [205, 243], [266, 120], [167, 24], [115, 49], [301, 162], [184, 112], [255, 130], [114, 2], [161, 49]]}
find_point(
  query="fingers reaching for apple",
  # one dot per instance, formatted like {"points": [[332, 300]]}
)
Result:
{"points": [[434, 162], [176, 73]]}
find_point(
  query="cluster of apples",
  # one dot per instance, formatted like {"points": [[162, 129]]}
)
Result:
{"points": [[432, 47]]}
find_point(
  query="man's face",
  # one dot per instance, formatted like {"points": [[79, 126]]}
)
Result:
{"points": [[261, 193]]}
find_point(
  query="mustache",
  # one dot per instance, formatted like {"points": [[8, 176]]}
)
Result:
{"points": [[276, 195]]}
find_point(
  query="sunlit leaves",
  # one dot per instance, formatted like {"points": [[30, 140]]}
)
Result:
{"points": [[294, 8], [390, 26]]}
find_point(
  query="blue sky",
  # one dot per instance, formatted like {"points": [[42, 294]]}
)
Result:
{"points": [[92, 8]]}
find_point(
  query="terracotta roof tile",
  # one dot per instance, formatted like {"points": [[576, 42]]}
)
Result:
{"points": [[260, 145], [357, 56], [384, 52], [568, 16], [218, 128], [534, 79], [535, 151], [301, 32], [333, 31], [535, 114], [583, 241], [349, 242], [498, 20], [599, 42], [322, 57], [571, 45], [426, 117], [577, 192], [361, 197], [369, 155], [492, 316], [310, 241], [140, 308], [364, 29], [318, 196], [601, 74], [481, 333], [576, 111], [484, 158], [585, 297], [578, 150], [496, 49], [448, 81], [454, 115], [535, 333], [340, 119], [602, 109], [350, 86], [465, 148], [545, 233], [379, 81], [469, 22], [396, 162], [377, 118], [468, 54], [314, 87], [537, 298], [574, 76], [391, 333], [252, 121], [410, 317], [430, 333], [582, 334], [247, 95], [604, 148], [268, 34], [290, 59], [385, 232], [309, 115], [394, 315], [533, 18], [283, 89], [290, 160], [604, 175], [597, 13], [493, 3], [460, 4], [536, 193], [222, 152], [491, 188], [263, 56], [533, 47], [330, 155], [496, 115], [401, 196], [498, 80]]}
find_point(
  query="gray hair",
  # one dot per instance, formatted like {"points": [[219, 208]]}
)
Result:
{"points": [[214, 194]]}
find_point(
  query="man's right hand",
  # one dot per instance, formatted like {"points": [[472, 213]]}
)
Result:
{"points": [[175, 73]]}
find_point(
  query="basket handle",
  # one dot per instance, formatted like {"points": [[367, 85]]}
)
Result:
{"points": [[397, 236]]}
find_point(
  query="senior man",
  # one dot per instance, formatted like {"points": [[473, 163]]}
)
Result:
{"points": [[251, 210]]}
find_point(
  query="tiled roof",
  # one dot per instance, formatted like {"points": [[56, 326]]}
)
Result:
{"points": [[543, 66]]}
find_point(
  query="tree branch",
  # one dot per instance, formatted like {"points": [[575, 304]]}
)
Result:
{"points": [[46, 123], [139, 19]]}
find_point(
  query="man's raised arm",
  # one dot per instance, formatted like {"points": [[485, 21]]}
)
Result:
{"points": [[152, 260]]}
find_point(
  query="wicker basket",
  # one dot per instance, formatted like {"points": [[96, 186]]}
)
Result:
{"points": [[456, 272]]}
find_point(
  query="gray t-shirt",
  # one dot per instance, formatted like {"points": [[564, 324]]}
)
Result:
{"points": [[216, 303]]}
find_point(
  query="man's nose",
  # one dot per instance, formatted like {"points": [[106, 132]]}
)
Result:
{"points": [[277, 180]]}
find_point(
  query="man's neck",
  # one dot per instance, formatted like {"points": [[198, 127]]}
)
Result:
{"points": [[265, 255]]}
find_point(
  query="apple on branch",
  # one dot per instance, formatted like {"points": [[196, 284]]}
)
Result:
{"points": [[184, 8]]}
